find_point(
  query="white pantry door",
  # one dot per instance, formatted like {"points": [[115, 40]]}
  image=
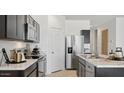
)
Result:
{"points": [[57, 49]]}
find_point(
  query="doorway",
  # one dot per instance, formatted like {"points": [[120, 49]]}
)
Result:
{"points": [[104, 49]]}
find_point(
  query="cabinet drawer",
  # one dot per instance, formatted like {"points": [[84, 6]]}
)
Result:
{"points": [[11, 73], [89, 67], [33, 74], [30, 69], [83, 62]]}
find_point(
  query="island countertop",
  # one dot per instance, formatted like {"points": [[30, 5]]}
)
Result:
{"points": [[19, 66], [103, 62]]}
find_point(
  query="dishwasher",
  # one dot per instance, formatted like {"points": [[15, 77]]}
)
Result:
{"points": [[42, 66]]}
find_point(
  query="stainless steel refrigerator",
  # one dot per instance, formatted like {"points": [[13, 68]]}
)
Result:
{"points": [[74, 46]]}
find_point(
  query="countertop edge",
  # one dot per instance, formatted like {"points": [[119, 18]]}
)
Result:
{"points": [[101, 65]]}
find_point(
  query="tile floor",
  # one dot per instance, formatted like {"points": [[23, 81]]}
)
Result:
{"points": [[64, 73]]}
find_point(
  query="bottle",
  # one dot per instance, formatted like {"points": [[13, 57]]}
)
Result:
{"points": [[18, 57]]}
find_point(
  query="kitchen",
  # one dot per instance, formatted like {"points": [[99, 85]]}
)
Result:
{"points": [[47, 34]]}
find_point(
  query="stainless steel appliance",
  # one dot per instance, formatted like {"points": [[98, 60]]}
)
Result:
{"points": [[74, 46], [42, 65], [119, 52]]}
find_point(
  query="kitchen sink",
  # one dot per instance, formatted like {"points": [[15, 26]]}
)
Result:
{"points": [[117, 59]]}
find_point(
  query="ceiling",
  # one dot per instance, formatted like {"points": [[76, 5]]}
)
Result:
{"points": [[95, 20]]}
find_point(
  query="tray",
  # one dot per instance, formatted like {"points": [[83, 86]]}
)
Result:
{"points": [[13, 62]]}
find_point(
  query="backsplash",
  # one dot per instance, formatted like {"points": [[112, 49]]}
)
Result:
{"points": [[9, 45]]}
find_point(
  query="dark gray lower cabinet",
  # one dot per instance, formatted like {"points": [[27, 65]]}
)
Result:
{"points": [[109, 72], [85, 69], [31, 71], [81, 72]]}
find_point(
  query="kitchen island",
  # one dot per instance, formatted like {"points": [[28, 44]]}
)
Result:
{"points": [[27, 69], [99, 67]]}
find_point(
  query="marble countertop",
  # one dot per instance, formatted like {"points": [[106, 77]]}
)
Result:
{"points": [[103, 62], [20, 66]]}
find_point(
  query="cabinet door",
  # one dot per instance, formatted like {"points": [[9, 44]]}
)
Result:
{"points": [[80, 70], [11, 26], [21, 27], [2, 26], [90, 71], [38, 33], [33, 74]]}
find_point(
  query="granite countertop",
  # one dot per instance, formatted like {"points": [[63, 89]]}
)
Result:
{"points": [[103, 62], [20, 66]]}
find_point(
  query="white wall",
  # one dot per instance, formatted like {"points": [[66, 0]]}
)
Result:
{"points": [[56, 22], [120, 32], [111, 26], [43, 21], [73, 27], [116, 33]]}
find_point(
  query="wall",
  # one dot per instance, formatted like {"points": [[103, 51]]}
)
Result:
{"points": [[43, 21], [73, 27], [120, 32], [111, 26]]}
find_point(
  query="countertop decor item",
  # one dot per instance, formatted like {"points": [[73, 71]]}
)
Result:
{"points": [[119, 52], [35, 53], [19, 57]]}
